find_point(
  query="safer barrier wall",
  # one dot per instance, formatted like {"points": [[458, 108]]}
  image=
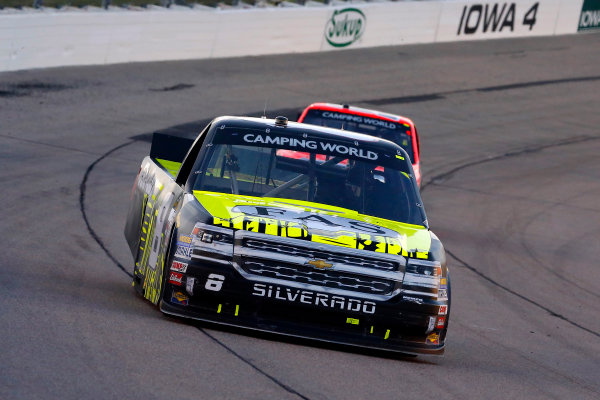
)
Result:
{"points": [[50, 39]]}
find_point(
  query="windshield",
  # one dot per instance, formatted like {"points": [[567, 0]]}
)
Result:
{"points": [[346, 174], [392, 131]]}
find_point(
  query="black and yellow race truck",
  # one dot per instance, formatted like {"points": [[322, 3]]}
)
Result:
{"points": [[290, 228]]}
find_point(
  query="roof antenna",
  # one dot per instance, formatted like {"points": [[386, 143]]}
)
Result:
{"points": [[264, 116]]}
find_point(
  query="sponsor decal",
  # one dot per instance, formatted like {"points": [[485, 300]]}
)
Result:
{"points": [[352, 321], [308, 222], [189, 285], [179, 266], [590, 15], [431, 325], [294, 295], [320, 228], [361, 120], [183, 251], [158, 230], [320, 264], [416, 300], [443, 310], [441, 321], [184, 240], [345, 27], [179, 298], [493, 17], [433, 338], [344, 150], [442, 294], [300, 219], [214, 282], [146, 181], [176, 278], [184, 246]]}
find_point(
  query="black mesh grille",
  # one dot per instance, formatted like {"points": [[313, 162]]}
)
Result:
{"points": [[331, 279], [333, 257]]}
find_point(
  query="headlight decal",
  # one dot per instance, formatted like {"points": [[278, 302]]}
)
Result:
{"points": [[426, 278]]}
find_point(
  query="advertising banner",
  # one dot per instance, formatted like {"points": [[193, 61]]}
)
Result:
{"points": [[497, 19], [52, 39], [590, 15]]}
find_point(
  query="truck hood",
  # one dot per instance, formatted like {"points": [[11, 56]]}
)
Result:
{"points": [[316, 222]]}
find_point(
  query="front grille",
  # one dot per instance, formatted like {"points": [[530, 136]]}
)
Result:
{"points": [[285, 261], [332, 257], [330, 279]]}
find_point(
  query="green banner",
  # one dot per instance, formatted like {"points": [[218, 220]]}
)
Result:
{"points": [[590, 15]]}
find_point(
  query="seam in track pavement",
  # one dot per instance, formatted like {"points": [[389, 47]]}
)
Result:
{"points": [[515, 153], [55, 146], [260, 371], [509, 290], [439, 177], [97, 239], [82, 189], [485, 89]]}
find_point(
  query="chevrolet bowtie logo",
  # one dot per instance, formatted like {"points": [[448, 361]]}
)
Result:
{"points": [[320, 264]]}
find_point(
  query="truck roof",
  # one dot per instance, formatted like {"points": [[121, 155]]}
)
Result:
{"points": [[344, 108], [300, 129]]}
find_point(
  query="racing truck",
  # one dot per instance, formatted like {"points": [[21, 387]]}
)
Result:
{"points": [[333, 245], [398, 129]]}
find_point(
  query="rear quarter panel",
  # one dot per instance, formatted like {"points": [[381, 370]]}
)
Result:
{"points": [[155, 200]]}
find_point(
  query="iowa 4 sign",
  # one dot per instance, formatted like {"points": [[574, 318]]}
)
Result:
{"points": [[495, 17]]}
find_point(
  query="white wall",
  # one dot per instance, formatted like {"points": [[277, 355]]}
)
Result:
{"points": [[38, 40]]}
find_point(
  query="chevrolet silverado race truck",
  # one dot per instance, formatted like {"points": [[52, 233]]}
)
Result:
{"points": [[395, 128], [335, 246]]}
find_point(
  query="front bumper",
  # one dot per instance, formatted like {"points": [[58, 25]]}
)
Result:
{"points": [[392, 325]]}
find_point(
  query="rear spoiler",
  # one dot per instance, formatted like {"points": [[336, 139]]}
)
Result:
{"points": [[170, 147]]}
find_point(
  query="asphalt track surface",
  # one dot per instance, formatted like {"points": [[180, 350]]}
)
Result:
{"points": [[511, 162]]}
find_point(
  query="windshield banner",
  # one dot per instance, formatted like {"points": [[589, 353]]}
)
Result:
{"points": [[305, 144], [359, 119], [342, 147]]}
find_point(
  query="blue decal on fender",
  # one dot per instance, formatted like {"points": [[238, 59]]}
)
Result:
{"points": [[179, 298]]}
